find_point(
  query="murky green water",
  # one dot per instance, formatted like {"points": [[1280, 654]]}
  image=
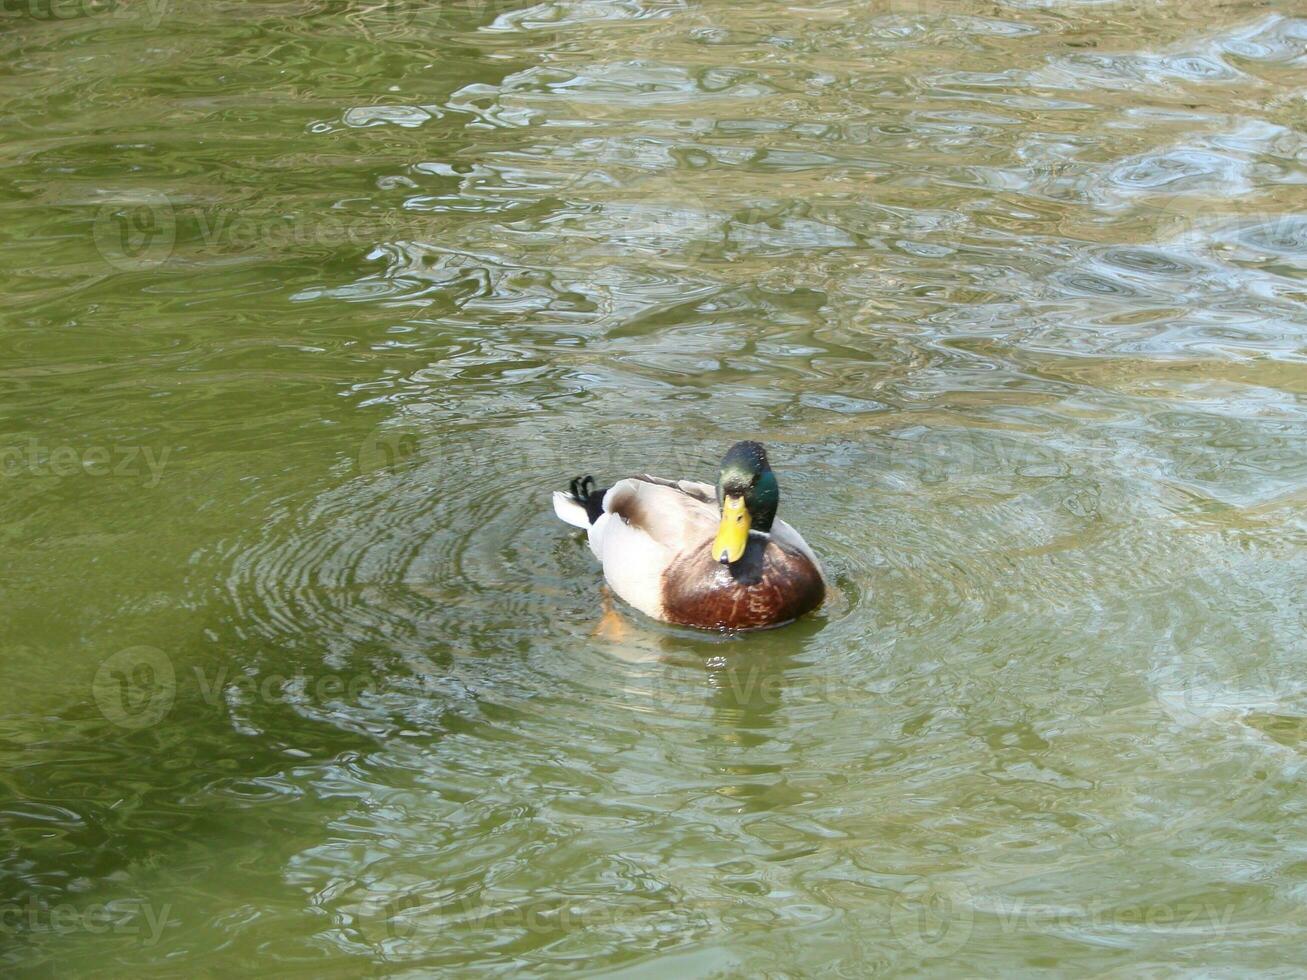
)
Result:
{"points": [[306, 306]]}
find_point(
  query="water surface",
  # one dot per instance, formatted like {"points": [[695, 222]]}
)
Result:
{"points": [[306, 307]]}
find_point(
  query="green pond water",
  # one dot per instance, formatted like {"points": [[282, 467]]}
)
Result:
{"points": [[307, 305]]}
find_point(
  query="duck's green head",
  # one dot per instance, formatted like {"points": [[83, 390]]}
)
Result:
{"points": [[748, 495]]}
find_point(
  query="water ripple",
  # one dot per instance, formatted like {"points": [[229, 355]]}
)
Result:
{"points": [[1013, 293]]}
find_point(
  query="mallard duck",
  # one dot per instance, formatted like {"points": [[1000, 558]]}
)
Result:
{"points": [[697, 555]]}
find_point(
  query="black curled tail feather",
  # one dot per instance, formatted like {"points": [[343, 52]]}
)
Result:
{"points": [[585, 494]]}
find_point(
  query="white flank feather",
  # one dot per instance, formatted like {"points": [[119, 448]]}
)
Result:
{"points": [[633, 563]]}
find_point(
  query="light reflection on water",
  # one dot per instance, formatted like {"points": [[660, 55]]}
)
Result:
{"points": [[1014, 295]]}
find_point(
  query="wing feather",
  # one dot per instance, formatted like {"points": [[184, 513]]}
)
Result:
{"points": [[669, 515], [700, 491]]}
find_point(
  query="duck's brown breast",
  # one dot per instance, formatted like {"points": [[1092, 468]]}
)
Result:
{"points": [[769, 588]]}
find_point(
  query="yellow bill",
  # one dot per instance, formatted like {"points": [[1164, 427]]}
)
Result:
{"points": [[733, 532]]}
